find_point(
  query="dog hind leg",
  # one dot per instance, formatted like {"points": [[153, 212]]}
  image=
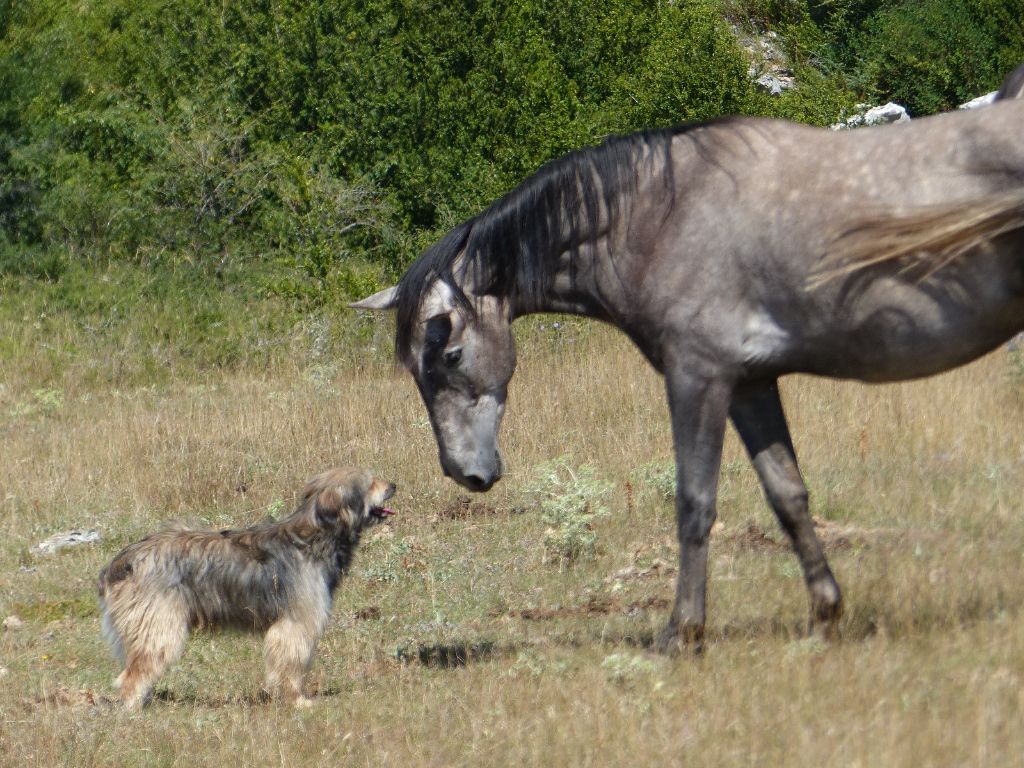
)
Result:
{"points": [[155, 642]]}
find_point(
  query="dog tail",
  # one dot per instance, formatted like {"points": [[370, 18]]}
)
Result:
{"points": [[108, 627], [119, 569]]}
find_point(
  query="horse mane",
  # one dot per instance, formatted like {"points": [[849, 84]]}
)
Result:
{"points": [[512, 248]]}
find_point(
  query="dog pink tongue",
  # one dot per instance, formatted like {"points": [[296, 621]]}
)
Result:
{"points": [[385, 512]]}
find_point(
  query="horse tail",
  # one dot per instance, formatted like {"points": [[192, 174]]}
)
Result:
{"points": [[1013, 85], [926, 240]]}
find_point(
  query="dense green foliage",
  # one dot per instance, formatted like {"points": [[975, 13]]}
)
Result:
{"points": [[929, 55], [300, 152], [178, 130]]}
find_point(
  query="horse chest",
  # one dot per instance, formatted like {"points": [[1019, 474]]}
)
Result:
{"points": [[762, 340]]}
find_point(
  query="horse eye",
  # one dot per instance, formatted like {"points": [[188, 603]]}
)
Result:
{"points": [[452, 358]]}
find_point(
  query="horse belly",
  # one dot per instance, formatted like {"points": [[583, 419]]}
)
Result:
{"points": [[894, 348]]}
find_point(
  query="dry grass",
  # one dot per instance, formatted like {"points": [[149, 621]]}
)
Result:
{"points": [[453, 643]]}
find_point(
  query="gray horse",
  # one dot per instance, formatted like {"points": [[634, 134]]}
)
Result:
{"points": [[731, 253]]}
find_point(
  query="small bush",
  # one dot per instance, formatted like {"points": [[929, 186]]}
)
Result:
{"points": [[1015, 361], [19, 260], [657, 478], [628, 669], [570, 500]]}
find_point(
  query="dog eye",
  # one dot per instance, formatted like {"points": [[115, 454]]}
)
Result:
{"points": [[452, 357]]}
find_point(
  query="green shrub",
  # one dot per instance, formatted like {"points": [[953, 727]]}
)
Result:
{"points": [[24, 260], [657, 478], [764, 14], [935, 54], [155, 130], [628, 669], [570, 499], [689, 68]]}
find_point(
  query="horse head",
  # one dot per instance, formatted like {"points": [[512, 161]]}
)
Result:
{"points": [[462, 358]]}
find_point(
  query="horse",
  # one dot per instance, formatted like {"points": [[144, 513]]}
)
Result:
{"points": [[731, 252]]}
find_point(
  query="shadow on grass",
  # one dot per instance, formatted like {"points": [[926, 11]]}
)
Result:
{"points": [[898, 620], [455, 654], [859, 625], [766, 627], [193, 699]]}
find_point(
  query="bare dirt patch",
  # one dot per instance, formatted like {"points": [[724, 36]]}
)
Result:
{"points": [[835, 537], [464, 508], [843, 536], [596, 605], [754, 538], [657, 568], [62, 696]]}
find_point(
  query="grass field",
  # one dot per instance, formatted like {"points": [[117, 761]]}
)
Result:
{"points": [[458, 640]]}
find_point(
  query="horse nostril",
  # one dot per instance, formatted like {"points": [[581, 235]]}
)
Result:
{"points": [[476, 483]]}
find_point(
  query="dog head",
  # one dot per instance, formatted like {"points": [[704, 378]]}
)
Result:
{"points": [[345, 501]]}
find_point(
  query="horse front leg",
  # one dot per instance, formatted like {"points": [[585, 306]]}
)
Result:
{"points": [[758, 417], [699, 407]]}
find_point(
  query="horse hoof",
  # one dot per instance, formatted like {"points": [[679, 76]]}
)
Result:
{"points": [[826, 630], [824, 622], [674, 640]]}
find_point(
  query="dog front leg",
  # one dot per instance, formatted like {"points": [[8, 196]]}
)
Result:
{"points": [[288, 653]]}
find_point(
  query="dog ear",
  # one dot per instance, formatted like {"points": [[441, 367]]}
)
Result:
{"points": [[336, 504]]}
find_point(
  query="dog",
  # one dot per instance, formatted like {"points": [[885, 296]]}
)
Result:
{"points": [[278, 578]]}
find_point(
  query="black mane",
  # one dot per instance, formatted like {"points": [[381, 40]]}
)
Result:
{"points": [[512, 247]]}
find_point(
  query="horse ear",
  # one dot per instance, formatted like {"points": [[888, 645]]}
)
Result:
{"points": [[381, 300]]}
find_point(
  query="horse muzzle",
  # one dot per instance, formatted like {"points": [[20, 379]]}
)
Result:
{"points": [[478, 476]]}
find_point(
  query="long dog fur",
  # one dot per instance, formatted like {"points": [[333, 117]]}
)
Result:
{"points": [[277, 577]]}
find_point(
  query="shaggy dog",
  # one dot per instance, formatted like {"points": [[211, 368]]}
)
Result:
{"points": [[277, 578]]}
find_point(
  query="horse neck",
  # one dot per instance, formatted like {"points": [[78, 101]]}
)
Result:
{"points": [[589, 270], [583, 282]]}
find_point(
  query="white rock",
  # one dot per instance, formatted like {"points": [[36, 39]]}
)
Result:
{"points": [[887, 113], [775, 84], [767, 64], [67, 539], [980, 101]]}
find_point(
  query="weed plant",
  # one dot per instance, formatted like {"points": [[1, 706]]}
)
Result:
{"points": [[571, 500]]}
